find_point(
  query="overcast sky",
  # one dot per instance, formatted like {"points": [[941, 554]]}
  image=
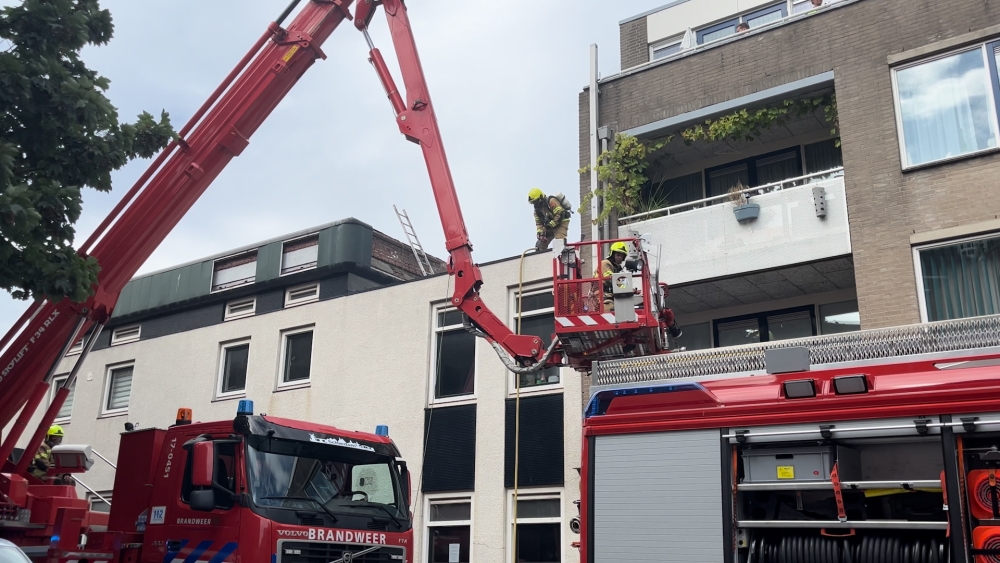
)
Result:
{"points": [[504, 77]]}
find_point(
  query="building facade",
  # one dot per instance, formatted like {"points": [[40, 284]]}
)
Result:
{"points": [[337, 325], [866, 133]]}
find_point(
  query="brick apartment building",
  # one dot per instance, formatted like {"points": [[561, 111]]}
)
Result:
{"points": [[898, 223]]}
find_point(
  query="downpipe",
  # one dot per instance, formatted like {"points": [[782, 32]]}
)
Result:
{"points": [[507, 360]]}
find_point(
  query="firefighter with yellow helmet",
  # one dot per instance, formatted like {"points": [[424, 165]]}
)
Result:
{"points": [[552, 215], [611, 265], [43, 459]]}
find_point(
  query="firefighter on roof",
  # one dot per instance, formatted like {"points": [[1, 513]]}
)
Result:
{"points": [[611, 265], [551, 217], [43, 459]]}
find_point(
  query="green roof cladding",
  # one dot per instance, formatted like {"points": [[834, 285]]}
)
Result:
{"points": [[343, 242]]}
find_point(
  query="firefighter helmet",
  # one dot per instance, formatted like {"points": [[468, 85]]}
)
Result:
{"points": [[535, 194], [55, 430], [619, 247]]}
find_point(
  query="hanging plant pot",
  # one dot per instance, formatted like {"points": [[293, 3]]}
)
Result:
{"points": [[747, 212]]}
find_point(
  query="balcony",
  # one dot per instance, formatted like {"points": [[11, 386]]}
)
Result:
{"points": [[702, 240]]}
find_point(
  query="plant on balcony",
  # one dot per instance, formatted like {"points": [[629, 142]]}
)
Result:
{"points": [[746, 125], [742, 207], [621, 170]]}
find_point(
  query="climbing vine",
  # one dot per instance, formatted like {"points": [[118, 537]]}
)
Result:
{"points": [[621, 168]]}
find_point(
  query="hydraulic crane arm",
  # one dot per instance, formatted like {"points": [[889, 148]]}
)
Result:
{"points": [[217, 132]]}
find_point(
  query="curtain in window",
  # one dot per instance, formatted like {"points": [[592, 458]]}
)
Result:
{"points": [[823, 155], [675, 191], [764, 19], [945, 108], [777, 168], [719, 181], [961, 280]]}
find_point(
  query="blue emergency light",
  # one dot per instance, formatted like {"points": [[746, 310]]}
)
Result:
{"points": [[381, 430], [245, 408]]}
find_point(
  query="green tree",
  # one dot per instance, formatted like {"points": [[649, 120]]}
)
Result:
{"points": [[58, 134]]}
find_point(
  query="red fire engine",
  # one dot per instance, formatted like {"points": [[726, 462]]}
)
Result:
{"points": [[193, 492], [874, 446]]}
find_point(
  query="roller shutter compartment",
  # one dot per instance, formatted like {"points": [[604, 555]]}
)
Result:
{"points": [[658, 498]]}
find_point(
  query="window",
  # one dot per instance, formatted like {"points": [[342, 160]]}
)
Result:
{"points": [[822, 156], [800, 6], [449, 530], [98, 505], [946, 107], [125, 334], [296, 357], [66, 411], [299, 254], [454, 357], [756, 171], [538, 319], [761, 17], [959, 279], [234, 271], [695, 337], [765, 327], [233, 368], [675, 191], [840, 317], [224, 475], [302, 294], [240, 308], [118, 389], [539, 527], [76, 348], [666, 48]]}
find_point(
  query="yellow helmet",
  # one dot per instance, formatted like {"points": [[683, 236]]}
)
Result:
{"points": [[535, 194], [55, 430], [619, 247]]}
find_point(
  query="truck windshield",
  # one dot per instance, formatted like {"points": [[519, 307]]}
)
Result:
{"points": [[290, 481]]}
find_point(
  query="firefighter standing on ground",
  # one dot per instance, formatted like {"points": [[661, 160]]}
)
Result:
{"points": [[551, 217], [611, 265], [43, 459]]}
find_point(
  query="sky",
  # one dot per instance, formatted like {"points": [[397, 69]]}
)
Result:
{"points": [[504, 77]]}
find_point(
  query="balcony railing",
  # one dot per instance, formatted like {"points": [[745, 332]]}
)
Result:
{"points": [[700, 241], [756, 190]]}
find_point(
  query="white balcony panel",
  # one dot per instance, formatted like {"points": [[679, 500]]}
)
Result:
{"points": [[709, 243]]}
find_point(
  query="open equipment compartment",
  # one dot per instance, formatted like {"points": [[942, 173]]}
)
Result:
{"points": [[888, 477]]}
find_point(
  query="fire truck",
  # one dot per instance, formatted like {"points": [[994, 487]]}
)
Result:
{"points": [[873, 446], [251, 489]]}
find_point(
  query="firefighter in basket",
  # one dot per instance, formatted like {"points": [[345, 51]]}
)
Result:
{"points": [[43, 458], [552, 215], [611, 265]]}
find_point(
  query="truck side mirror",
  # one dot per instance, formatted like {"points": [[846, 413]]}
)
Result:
{"points": [[203, 500], [405, 473], [202, 465]]}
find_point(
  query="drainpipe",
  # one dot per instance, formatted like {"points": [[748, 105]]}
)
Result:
{"points": [[595, 204]]}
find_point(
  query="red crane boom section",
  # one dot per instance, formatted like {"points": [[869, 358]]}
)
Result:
{"points": [[217, 132]]}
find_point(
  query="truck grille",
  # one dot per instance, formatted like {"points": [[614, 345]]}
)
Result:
{"points": [[316, 552]]}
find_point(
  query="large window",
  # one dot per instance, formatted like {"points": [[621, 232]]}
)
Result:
{"points": [[449, 530], [666, 48], [674, 191], [695, 337], [299, 254], [758, 18], [537, 319], [765, 327], [539, 527], [233, 368], [296, 357], [840, 317], [946, 106], [755, 171], [234, 271], [66, 411], [118, 389], [959, 279], [454, 357]]}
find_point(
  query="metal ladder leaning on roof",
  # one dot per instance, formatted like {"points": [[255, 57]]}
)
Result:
{"points": [[411, 238]]}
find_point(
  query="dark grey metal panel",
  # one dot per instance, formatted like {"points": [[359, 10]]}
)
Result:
{"points": [[181, 322], [657, 497], [268, 301], [334, 287], [348, 241], [269, 261]]}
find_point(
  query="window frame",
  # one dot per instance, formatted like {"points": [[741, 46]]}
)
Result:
{"points": [[918, 269], [224, 347], [447, 498], [303, 300], [304, 267], [228, 316], [92, 498], [736, 20], [985, 49], [77, 348], [436, 330], [108, 377], [677, 40], [541, 493], [283, 385], [512, 315], [117, 340], [56, 386], [236, 283], [761, 317]]}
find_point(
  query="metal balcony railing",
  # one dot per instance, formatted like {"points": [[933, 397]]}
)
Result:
{"points": [[756, 190]]}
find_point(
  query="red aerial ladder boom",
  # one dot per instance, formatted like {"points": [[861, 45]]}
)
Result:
{"points": [[217, 132]]}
